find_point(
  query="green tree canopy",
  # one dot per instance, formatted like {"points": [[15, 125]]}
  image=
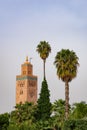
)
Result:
{"points": [[44, 105]]}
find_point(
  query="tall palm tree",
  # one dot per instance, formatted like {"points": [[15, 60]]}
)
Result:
{"points": [[66, 63], [43, 48]]}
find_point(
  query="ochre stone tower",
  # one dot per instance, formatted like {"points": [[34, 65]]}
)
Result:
{"points": [[26, 84]]}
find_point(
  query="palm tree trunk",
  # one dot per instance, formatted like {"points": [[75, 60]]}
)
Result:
{"points": [[66, 100], [44, 68]]}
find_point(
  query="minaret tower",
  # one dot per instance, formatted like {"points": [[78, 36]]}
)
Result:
{"points": [[26, 84]]}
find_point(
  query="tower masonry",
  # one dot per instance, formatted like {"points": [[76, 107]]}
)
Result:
{"points": [[26, 84]]}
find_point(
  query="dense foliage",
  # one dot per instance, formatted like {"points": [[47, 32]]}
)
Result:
{"points": [[79, 110], [4, 121], [24, 117], [75, 125], [44, 105]]}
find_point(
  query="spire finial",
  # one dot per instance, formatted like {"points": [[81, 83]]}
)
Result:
{"points": [[26, 58]]}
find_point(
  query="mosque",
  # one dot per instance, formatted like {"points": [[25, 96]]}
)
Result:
{"points": [[26, 84]]}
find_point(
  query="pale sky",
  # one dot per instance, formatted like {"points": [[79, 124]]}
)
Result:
{"points": [[23, 24]]}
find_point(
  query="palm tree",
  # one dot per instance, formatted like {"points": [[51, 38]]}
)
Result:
{"points": [[43, 49], [58, 109], [79, 110], [66, 63]]}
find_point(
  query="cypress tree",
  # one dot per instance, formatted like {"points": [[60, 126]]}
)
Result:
{"points": [[44, 105]]}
